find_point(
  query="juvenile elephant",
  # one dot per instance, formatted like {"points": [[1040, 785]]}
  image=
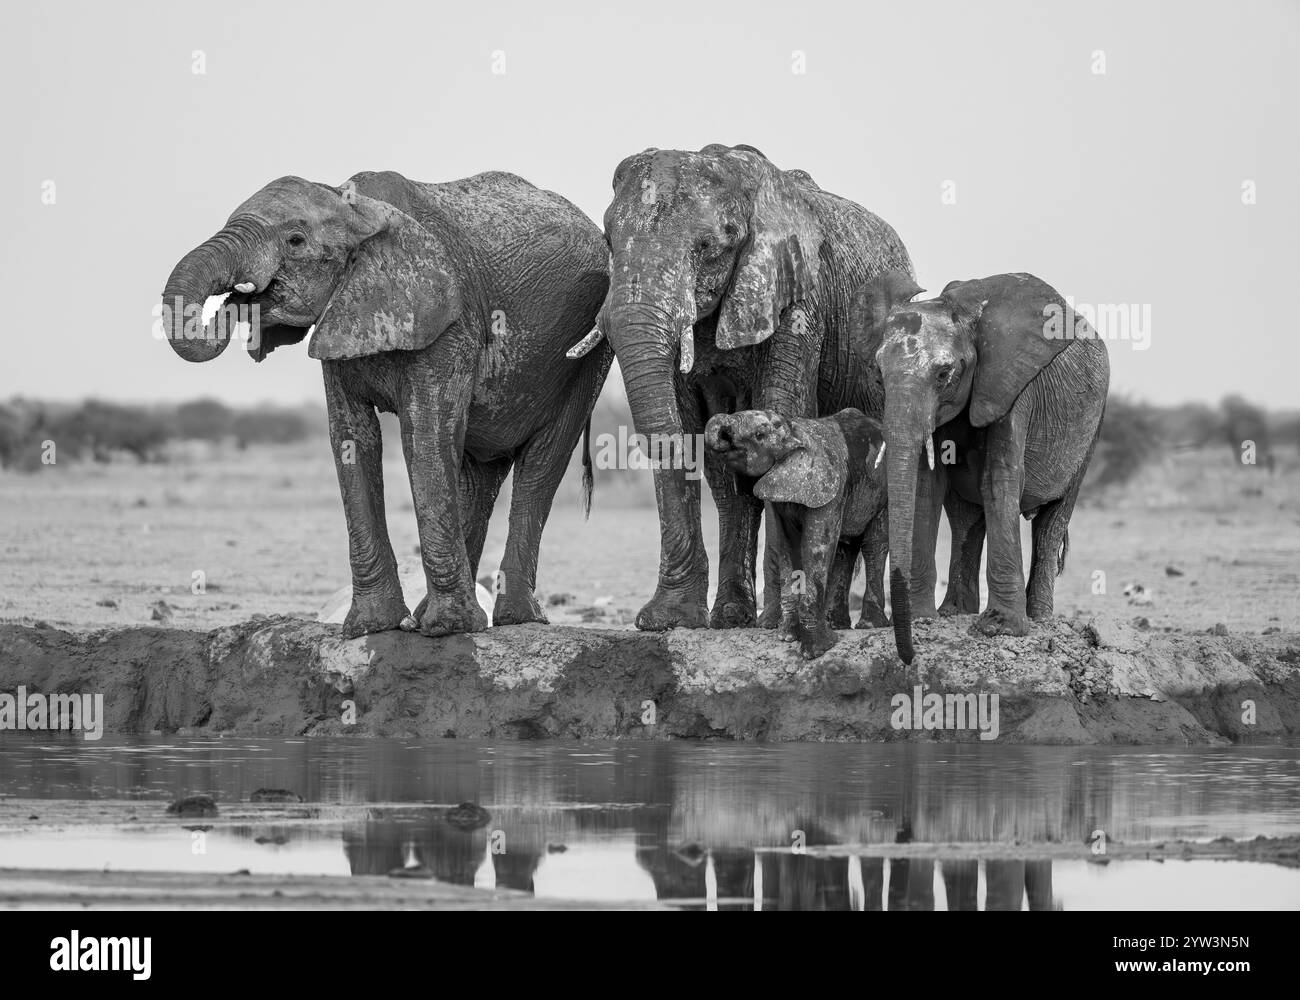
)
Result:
{"points": [[450, 305], [1011, 385], [730, 290], [822, 489]]}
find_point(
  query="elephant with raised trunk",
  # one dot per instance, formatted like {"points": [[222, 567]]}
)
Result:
{"points": [[1011, 386], [730, 290], [450, 305]]}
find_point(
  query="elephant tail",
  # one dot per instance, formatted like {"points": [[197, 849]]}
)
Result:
{"points": [[588, 479], [1065, 549]]}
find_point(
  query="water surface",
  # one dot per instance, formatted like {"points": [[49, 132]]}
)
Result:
{"points": [[703, 824]]}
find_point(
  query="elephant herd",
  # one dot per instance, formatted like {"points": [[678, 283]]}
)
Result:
{"points": [[744, 304]]}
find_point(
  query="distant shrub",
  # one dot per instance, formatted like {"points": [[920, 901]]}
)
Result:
{"points": [[203, 420], [1243, 421], [97, 428], [1131, 436], [271, 425], [11, 435]]}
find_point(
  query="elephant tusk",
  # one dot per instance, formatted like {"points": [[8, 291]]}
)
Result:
{"points": [[880, 455], [687, 349], [929, 451], [586, 343], [245, 287]]}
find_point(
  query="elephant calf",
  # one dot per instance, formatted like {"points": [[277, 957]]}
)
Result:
{"points": [[451, 305], [1010, 385], [822, 489]]}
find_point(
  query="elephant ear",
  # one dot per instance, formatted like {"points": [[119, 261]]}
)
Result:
{"points": [[864, 436], [871, 305], [778, 266], [813, 474], [397, 293], [1011, 317]]}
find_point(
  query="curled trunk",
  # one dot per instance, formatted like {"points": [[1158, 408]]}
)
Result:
{"points": [[212, 268]]}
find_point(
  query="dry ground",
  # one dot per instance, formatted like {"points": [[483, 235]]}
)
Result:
{"points": [[100, 545]]}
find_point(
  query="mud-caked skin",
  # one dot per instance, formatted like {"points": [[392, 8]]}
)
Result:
{"points": [[1007, 386], [822, 490], [451, 305], [730, 290]]}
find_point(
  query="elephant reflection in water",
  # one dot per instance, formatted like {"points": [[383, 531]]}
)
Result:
{"points": [[455, 856], [1007, 883]]}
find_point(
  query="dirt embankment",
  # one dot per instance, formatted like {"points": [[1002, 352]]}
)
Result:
{"points": [[1068, 682]]}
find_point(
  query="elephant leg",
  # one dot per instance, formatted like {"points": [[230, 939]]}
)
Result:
{"points": [[355, 439], [925, 535], [821, 536], [738, 521], [433, 415], [788, 558], [772, 574], [1051, 541], [875, 550], [480, 484], [840, 580], [681, 598], [966, 520], [539, 467], [1002, 486]]}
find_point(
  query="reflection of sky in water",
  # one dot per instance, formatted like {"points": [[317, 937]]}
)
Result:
{"points": [[172, 850], [684, 821]]}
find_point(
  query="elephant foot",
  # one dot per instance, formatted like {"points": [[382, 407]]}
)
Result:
{"points": [[770, 618], [814, 642], [517, 610], [371, 613], [450, 614], [966, 605], [995, 621], [873, 616], [923, 609], [1040, 612], [666, 610], [732, 608], [839, 618]]}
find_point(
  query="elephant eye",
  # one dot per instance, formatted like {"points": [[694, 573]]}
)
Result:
{"points": [[296, 240], [943, 373]]}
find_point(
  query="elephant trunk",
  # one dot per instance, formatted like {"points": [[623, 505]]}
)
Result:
{"points": [[212, 268], [649, 317], [717, 432], [905, 431], [646, 362]]}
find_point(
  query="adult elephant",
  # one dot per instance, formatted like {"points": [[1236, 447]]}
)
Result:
{"points": [[1012, 386], [450, 305], [730, 290]]}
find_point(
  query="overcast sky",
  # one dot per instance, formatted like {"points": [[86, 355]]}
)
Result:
{"points": [[1119, 187]]}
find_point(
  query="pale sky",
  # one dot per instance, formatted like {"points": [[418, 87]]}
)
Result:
{"points": [[1121, 187]]}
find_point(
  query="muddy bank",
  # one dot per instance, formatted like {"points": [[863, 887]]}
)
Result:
{"points": [[1068, 682]]}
